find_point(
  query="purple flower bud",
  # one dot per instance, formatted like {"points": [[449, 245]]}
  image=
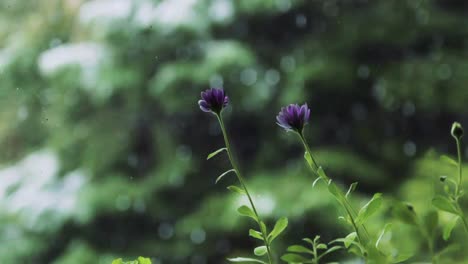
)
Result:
{"points": [[293, 117], [213, 100]]}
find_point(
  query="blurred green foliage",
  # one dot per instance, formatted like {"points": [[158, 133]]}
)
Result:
{"points": [[103, 145]]}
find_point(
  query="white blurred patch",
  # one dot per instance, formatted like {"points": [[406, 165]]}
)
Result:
{"points": [[32, 190], [221, 10], [165, 15], [88, 56], [85, 54], [265, 204], [105, 10]]}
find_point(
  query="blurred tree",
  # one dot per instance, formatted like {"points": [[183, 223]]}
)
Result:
{"points": [[103, 144]]}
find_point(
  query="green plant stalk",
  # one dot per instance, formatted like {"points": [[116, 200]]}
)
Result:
{"points": [[457, 191], [315, 255], [459, 185], [243, 185], [346, 205]]}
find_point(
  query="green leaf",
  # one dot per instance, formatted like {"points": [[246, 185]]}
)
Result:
{"points": [[316, 239], [255, 234], [449, 227], [246, 211], [214, 153], [308, 240], [279, 227], [402, 257], [294, 258], [263, 227], [236, 189], [448, 249], [330, 250], [245, 260], [443, 203], [322, 246], [222, 175], [385, 230], [260, 251], [142, 260], [299, 249], [448, 160], [349, 239], [404, 213], [369, 209], [351, 189]]}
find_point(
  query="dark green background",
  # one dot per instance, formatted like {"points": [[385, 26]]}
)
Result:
{"points": [[107, 158]]}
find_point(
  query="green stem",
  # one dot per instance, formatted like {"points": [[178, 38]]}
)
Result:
{"points": [[345, 203], [459, 185], [457, 191], [243, 185]]}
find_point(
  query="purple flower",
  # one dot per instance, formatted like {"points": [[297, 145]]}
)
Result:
{"points": [[293, 117], [213, 100]]}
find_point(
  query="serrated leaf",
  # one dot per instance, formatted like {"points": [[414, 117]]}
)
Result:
{"points": [[351, 189], [294, 258], [449, 160], [260, 251], [449, 227], [236, 189], [222, 175], [246, 211], [279, 227], [255, 234], [245, 260], [214, 153], [299, 249], [369, 209], [385, 230], [444, 204]]}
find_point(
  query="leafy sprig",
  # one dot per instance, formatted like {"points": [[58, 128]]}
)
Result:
{"points": [[312, 252], [250, 210], [449, 201]]}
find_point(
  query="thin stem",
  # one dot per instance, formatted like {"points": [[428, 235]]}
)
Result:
{"points": [[345, 203], [243, 185], [459, 185], [457, 191]]}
